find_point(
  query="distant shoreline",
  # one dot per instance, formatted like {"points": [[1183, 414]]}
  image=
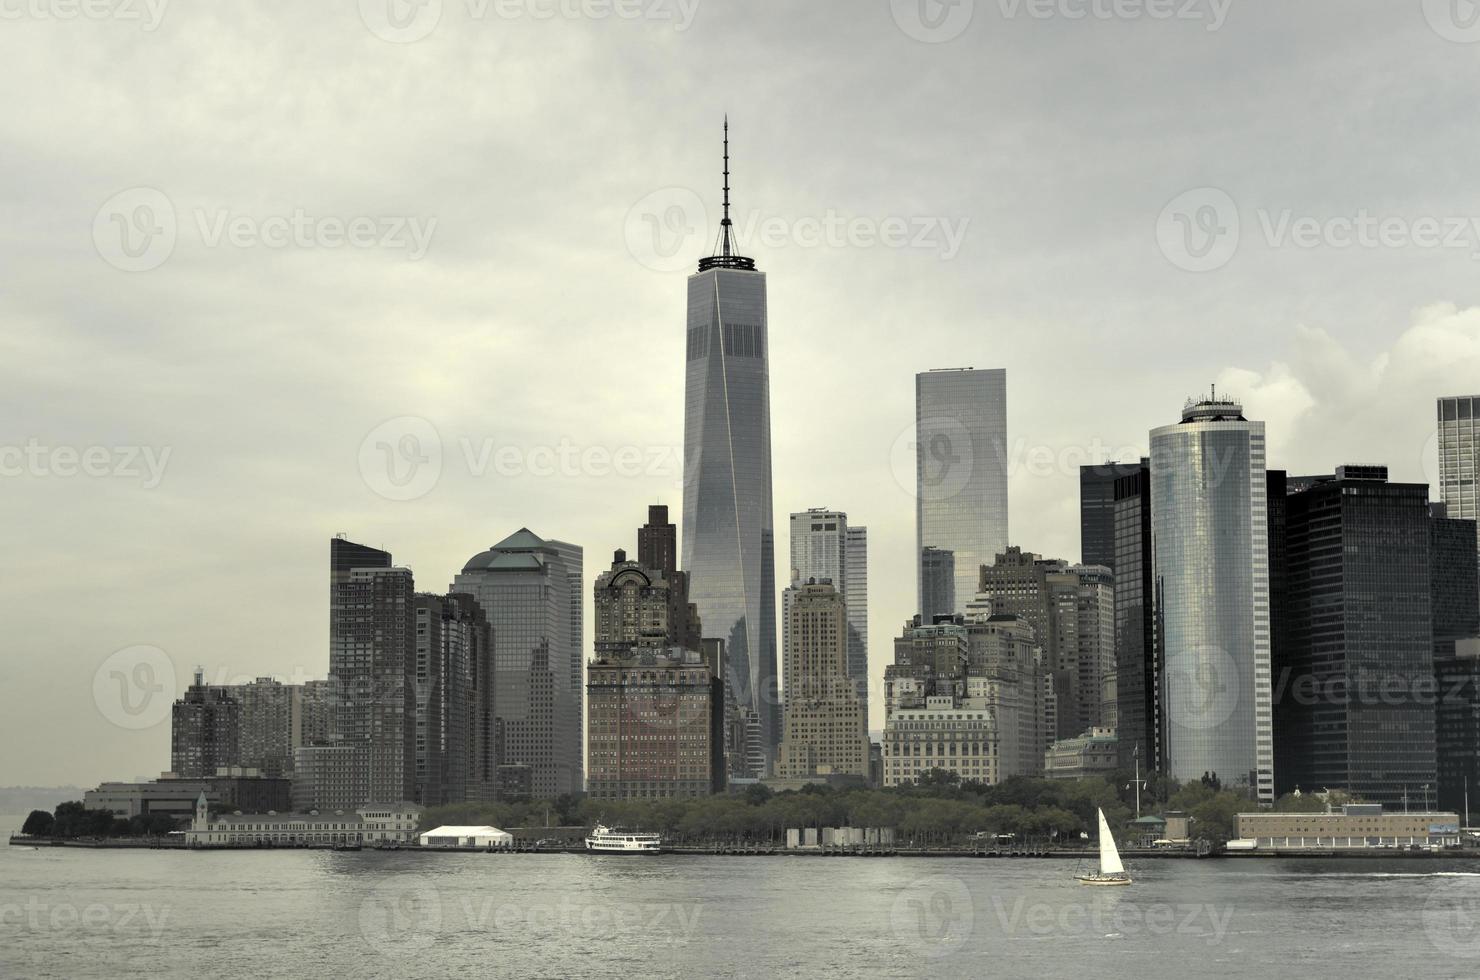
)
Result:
{"points": [[685, 850]]}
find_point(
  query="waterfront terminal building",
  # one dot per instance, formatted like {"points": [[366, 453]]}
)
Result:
{"points": [[1357, 826], [370, 824]]}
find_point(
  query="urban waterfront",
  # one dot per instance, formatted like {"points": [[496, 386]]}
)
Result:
{"points": [[67, 913]]}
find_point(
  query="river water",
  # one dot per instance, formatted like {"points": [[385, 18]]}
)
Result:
{"points": [[109, 913]]}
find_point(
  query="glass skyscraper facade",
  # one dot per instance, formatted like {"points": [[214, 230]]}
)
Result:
{"points": [[1459, 458], [1137, 662], [1210, 556], [960, 474], [728, 536], [1456, 608], [1097, 510], [1355, 711], [530, 590]]}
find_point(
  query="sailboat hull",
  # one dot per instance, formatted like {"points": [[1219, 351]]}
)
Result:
{"points": [[1102, 880]]}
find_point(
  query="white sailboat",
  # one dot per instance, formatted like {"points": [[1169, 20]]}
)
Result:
{"points": [[1111, 872]]}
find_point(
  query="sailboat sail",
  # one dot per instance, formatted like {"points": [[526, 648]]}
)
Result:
{"points": [[1109, 856]]}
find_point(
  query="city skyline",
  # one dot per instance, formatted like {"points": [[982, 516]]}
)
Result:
{"points": [[1038, 437], [1337, 367]]}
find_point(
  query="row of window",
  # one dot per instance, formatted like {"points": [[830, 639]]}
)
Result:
{"points": [[739, 340]]}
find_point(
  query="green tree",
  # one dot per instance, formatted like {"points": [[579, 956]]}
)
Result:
{"points": [[38, 824], [756, 794], [935, 778]]}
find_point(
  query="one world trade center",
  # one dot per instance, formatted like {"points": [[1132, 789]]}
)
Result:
{"points": [[727, 524]]}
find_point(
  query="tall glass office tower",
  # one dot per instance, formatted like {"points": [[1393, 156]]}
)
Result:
{"points": [[530, 590], [960, 474], [1210, 555], [1459, 457], [728, 532]]}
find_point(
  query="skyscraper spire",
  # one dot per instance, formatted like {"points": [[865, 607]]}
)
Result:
{"points": [[725, 224], [726, 254]]}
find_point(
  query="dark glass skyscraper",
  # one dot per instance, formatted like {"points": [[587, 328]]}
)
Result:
{"points": [[1355, 711], [1097, 510], [1456, 660], [728, 531], [1137, 670]]}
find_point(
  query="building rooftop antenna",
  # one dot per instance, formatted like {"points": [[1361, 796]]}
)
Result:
{"points": [[726, 255]]}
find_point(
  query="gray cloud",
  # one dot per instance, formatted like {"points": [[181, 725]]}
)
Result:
{"points": [[528, 323]]}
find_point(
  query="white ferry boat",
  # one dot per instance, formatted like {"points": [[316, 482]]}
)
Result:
{"points": [[611, 840]]}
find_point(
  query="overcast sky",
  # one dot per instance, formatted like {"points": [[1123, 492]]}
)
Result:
{"points": [[241, 240]]}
